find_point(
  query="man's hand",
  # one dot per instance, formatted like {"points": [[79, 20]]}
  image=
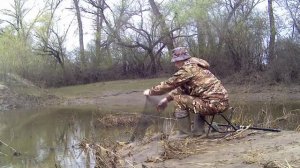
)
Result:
{"points": [[163, 103], [147, 92]]}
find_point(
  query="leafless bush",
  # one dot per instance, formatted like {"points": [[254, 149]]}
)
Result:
{"points": [[285, 68]]}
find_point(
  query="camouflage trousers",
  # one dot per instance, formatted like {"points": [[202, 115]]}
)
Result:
{"points": [[198, 105]]}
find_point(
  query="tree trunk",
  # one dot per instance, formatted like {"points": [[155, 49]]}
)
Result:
{"points": [[272, 32], [80, 29], [200, 38], [164, 29], [99, 22], [153, 68], [224, 29]]}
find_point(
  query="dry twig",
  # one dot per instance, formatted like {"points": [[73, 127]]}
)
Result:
{"points": [[15, 152], [237, 135]]}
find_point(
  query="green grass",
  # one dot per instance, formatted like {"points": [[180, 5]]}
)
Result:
{"points": [[34, 91], [22, 86], [100, 88]]}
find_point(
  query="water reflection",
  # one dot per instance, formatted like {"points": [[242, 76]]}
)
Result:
{"points": [[49, 137]]}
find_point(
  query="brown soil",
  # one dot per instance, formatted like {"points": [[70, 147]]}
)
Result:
{"points": [[249, 149], [263, 92]]}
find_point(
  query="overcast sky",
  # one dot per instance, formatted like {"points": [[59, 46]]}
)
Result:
{"points": [[67, 15]]}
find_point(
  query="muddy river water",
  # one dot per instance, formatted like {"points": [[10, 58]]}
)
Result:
{"points": [[49, 137]]}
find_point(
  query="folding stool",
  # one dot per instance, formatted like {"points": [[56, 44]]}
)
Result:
{"points": [[229, 126]]}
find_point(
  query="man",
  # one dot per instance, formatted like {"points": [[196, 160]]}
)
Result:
{"points": [[194, 89]]}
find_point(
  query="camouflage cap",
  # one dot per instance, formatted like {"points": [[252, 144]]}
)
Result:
{"points": [[180, 54]]}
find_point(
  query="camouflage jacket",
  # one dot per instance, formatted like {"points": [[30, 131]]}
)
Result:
{"points": [[193, 79]]}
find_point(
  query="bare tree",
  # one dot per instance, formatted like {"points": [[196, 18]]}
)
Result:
{"points": [[150, 43], [99, 24], [17, 14], [239, 32], [80, 30], [164, 29], [231, 7], [17, 18], [293, 6], [50, 41], [113, 24], [272, 32]]}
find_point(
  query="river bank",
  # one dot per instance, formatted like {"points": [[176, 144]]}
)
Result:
{"points": [[248, 149]]}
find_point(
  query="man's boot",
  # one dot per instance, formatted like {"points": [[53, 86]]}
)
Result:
{"points": [[183, 124], [199, 123]]}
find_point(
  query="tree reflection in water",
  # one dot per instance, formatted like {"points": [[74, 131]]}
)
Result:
{"points": [[50, 137]]}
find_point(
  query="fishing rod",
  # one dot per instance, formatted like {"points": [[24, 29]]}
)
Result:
{"points": [[253, 128], [222, 125]]}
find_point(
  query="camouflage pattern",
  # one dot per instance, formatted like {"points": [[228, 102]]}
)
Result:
{"points": [[194, 88], [180, 54]]}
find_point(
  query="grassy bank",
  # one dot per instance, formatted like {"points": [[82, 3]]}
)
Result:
{"points": [[121, 93], [100, 88], [246, 91]]}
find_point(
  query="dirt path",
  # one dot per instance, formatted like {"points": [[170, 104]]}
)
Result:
{"points": [[251, 150]]}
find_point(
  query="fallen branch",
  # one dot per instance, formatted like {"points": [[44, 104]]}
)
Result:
{"points": [[120, 93], [16, 153], [3, 154], [236, 134], [298, 128]]}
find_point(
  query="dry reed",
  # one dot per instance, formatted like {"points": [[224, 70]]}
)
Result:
{"points": [[118, 120], [264, 118], [277, 164], [106, 156]]}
